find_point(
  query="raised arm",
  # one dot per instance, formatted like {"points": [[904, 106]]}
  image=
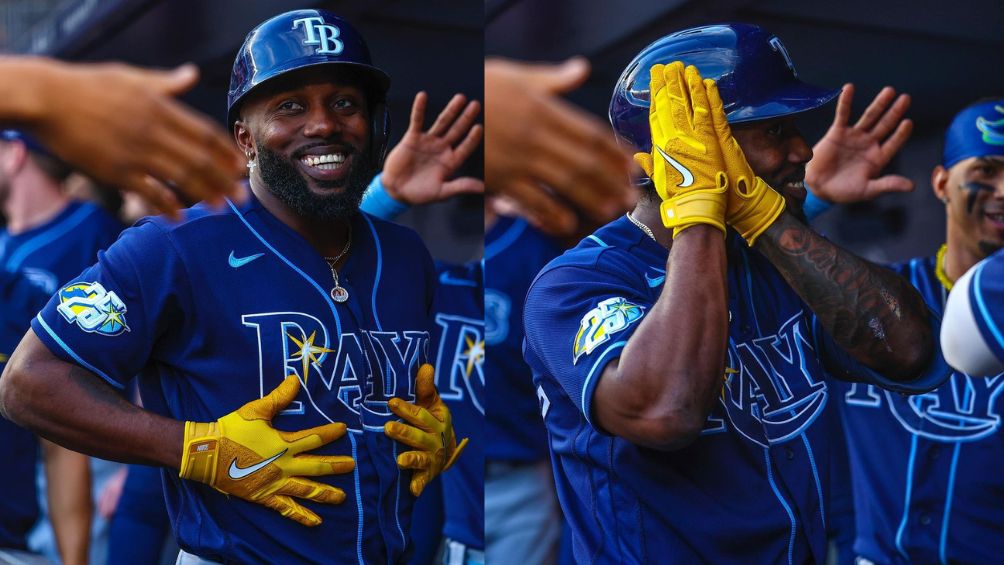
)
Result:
{"points": [[872, 313], [660, 391]]}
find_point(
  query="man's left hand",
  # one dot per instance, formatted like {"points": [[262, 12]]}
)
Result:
{"points": [[847, 161], [418, 170], [429, 429]]}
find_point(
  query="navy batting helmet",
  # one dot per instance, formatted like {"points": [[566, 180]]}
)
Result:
{"points": [[308, 38], [754, 73]]}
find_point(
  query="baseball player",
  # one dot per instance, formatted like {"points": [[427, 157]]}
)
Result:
{"points": [[293, 292], [48, 239], [679, 352], [931, 499], [971, 333]]}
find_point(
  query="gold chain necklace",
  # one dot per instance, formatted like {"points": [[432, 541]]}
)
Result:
{"points": [[641, 226], [939, 267], [338, 292]]}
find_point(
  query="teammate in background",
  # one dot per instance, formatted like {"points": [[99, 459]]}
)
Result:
{"points": [[294, 291], [120, 125], [48, 239], [533, 148], [680, 388], [972, 330], [931, 500]]}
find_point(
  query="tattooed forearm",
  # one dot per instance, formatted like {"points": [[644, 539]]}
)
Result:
{"points": [[870, 311]]}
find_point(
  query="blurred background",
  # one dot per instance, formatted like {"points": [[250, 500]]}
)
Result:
{"points": [[433, 45], [944, 54]]}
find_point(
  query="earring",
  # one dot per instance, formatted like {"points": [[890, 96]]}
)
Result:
{"points": [[251, 161]]}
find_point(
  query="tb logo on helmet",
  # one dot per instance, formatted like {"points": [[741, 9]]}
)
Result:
{"points": [[319, 33]]}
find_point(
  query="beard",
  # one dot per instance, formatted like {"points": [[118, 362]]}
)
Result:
{"points": [[288, 185]]}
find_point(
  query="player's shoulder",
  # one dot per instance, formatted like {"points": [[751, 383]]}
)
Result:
{"points": [[100, 219], [615, 250]]}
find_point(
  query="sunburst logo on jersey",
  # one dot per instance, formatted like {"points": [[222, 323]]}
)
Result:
{"points": [[475, 354], [308, 353], [92, 308], [611, 316]]}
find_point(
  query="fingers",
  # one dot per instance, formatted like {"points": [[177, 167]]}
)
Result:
{"points": [[875, 110], [456, 453], [448, 115], [267, 407], [419, 480], [418, 111], [469, 144], [415, 460], [155, 194], [412, 436], [208, 159], [464, 123], [888, 184], [897, 140], [173, 82], [644, 161], [289, 509], [540, 208], [843, 112], [425, 386], [311, 490], [463, 185], [717, 108], [319, 465], [892, 117], [681, 109], [698, 94], [312, 438], [557, 78], [414, 414]]}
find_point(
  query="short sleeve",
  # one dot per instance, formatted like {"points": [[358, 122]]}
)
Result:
{"points": [[972, 336], [842, 366], [108, 319], [577, 320]]}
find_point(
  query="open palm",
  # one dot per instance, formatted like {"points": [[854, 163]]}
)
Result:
{"points": [[419, 168], [848, 160]]}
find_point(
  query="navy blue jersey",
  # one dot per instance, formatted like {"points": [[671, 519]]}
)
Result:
{"points": [[753, 487], [460, 379], [514, 254], [926, 488], [32, 266], [215, 311]]}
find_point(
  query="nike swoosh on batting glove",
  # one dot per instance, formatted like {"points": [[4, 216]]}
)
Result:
{"points": [[241, 454], [686, 163], [430, 432], [752, 204]]}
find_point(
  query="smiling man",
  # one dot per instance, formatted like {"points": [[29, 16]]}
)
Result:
{"points": [[679, 353], [293, 291]]}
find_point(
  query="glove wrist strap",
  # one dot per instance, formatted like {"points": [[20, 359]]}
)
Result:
{"points": [[694, 207], [199, 456]]}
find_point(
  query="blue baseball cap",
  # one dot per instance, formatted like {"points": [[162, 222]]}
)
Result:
{"points": [[976, 131], [30, 142]]}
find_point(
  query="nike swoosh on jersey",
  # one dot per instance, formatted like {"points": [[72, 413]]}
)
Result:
{"points": [[445, 278], [237, 473], [654, 281], [688, 177], [237, 262]]}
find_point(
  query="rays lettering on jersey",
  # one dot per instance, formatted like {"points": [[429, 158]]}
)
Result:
{"points": [[963, 409], [364, 369], [772, 398], [460, 359]]}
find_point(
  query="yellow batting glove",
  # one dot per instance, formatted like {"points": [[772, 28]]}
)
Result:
{"points": [[752, 204], [686, 164], [243, 455], [430, 432]]}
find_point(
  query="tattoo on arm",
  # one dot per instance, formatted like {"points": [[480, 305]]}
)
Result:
{"points": [[870, 311]]}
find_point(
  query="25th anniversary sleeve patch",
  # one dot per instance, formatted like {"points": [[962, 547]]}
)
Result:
{"points": [[611, 316], [92, 308]]}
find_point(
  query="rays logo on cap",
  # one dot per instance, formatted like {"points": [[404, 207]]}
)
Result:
{"points": [[325, 36], [611, 316], [993, 131], [92, 308]]}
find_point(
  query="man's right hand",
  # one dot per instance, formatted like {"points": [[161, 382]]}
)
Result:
{"points": [[243, 455], [122, 126], [686, 163]]}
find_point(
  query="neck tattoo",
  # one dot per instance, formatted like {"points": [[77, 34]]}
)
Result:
{"points": [[338, 292]]}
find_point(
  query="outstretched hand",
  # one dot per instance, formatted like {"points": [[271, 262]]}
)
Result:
{"points": [[848, 160], [418, 170]]}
